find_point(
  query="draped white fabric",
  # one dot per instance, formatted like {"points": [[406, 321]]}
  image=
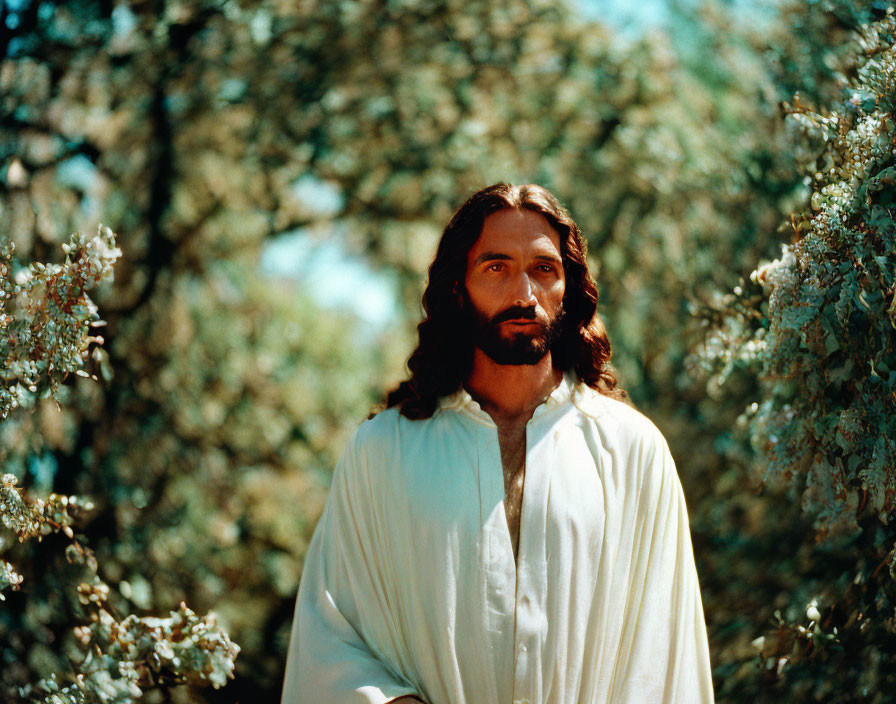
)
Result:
{"points": [[410, 584]]}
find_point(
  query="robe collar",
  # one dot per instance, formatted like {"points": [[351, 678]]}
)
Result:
{"points": [[462, 402]]}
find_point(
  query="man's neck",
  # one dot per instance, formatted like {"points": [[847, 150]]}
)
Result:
{"points": [[511, 393]]}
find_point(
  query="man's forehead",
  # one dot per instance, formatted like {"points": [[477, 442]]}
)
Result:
{"points": [[511, 228]]}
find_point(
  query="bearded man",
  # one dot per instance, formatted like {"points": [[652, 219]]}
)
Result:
{"points": [[508, 529]]}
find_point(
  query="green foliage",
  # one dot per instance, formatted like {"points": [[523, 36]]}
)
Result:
{"points": [[204, 130], [46, 315], [823, 331], [126, 657], [197, 127], [33, 519], [817, 327], [122, 657]]}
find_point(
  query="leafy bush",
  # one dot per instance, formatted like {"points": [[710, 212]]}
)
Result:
{"points": [[818, 327], [46, 320]]}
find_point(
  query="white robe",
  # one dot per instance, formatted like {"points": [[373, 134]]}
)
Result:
{"points": [[410, 584]]}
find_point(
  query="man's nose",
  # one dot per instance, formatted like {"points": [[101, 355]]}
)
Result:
{"points": [[524, 295]]}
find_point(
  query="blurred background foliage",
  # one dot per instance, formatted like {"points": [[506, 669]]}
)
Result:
{"points": [[278, 174]]}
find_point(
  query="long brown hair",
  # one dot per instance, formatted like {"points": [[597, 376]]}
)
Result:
{"points": [[444, 356]]}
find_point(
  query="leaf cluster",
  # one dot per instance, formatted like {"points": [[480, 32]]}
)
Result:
{"points": [[46, 317], [122, 656]]}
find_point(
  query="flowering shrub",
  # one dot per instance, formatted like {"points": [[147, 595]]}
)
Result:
{"points": [[46, 335], [127, 656], [123, 655], [46, 323], [822, 330], [818, 327]]}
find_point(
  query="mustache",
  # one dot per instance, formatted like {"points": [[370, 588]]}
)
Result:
{"points": [[514, 313]]}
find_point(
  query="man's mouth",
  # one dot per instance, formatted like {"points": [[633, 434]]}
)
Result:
{"points": [[523, 323]]}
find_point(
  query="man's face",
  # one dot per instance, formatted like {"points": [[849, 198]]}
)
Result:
{"points": [[515, 285]]}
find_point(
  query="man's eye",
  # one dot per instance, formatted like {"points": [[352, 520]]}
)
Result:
{"points": [[495, 267]]}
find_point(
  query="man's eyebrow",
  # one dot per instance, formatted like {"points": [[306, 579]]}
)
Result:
{"points": [[491, 256]]}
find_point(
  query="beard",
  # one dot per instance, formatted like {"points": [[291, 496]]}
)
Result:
{"points": [[519, 348]]}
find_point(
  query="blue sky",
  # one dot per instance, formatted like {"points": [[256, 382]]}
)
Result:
{"points": [[632, 16], [318, 262], [332, 276]]}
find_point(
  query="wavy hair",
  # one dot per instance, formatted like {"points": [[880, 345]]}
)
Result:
{"points": [[443, 358]]}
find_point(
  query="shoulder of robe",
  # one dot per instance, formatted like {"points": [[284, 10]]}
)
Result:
{"points": [[626, 426], [376, 436], [376, 447]]}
